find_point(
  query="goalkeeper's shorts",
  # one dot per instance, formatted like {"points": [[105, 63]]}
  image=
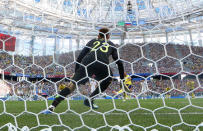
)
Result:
{"points": [[100, 71]]}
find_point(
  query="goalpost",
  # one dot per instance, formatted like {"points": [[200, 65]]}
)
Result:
{"points": [[158, 41]]}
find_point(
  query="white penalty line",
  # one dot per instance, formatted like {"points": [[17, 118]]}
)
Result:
{"points": [[117, 113]]}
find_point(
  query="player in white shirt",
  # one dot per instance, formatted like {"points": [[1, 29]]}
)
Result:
{"points": [[144, 88], [93, 84]]}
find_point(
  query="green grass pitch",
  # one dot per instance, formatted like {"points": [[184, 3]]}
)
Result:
{"points": [[75, 115]]}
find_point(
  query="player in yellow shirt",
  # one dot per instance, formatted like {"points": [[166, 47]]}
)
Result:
{"points": [[127, 87], [167, 89], [191, 85]]}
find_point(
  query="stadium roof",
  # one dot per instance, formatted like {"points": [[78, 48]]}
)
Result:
{"points": [[73, 16]]}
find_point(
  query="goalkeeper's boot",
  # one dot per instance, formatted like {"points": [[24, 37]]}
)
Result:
{"points": [[49, 110], [87, 103]]}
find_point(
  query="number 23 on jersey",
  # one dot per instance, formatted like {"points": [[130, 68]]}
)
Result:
{"points": [[104, 48]]}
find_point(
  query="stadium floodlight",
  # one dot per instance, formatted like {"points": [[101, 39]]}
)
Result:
{"points": [[129, 7]]}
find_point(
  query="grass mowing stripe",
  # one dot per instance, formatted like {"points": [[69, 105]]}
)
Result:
{"points": [[140, 116]]}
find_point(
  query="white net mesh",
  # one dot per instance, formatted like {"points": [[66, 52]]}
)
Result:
{"points": [[158, 41]]}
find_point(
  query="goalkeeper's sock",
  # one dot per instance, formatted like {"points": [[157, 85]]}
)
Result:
{"points": [[59, 98], [90, 104]]}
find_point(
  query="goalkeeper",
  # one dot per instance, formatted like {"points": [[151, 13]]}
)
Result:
{"points": [[95, 57], [127, 86]]}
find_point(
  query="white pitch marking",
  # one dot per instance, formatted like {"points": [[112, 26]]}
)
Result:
{"points": [[189, 113], [154, 130]]}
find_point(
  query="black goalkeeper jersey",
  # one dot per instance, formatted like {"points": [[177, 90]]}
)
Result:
{"points": [[98, 49]]}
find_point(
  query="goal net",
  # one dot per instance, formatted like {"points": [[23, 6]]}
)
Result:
{"points": [[158, 41]]}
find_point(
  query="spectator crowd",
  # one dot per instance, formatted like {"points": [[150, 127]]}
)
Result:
{"points": [[147, 58]]}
